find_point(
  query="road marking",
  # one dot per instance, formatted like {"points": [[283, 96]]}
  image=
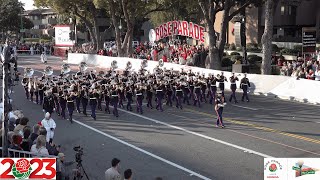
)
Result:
{"points": [[260, 127], [198, 134], [244, 107], [256, 137], [144, 151]]}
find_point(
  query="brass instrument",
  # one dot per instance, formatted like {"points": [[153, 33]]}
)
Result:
{"points": [[161, 63], [144, 64], [65, 69], [83, 66], [48, 71], [114, 65], [28, 72], [129, 66]]}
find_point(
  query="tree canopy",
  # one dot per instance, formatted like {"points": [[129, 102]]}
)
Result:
{"points": [[10, 11]]}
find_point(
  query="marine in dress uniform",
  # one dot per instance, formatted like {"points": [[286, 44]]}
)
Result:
{"points": [[170, 93], [139, 98], [213, 88], [41, 89], [93, 102], [76, 90], [233, 87], [149, 96], [106, 97], [245, 84], [63, 103], [114, 101], [129, 96], [48, 103], [186, 92], [221, 80], [179, 96], [84, 99], [160, 95], [70, 105], [220, 103], [197, 94]]}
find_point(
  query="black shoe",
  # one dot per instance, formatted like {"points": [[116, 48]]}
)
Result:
{"points": [[236, 102]]}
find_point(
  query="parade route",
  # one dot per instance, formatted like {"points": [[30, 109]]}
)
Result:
{"points": [[183, 144]]}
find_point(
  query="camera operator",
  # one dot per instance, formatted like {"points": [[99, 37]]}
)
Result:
{"points": [[62, 174]]}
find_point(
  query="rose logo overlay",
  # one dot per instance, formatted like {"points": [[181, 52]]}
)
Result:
{"points": [[21, 169], [273, 168]]}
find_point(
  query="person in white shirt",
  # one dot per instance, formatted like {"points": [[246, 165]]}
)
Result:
{"points": [[113, 172], [40, 147], [31, 51], [44, 58], [49, 124]]}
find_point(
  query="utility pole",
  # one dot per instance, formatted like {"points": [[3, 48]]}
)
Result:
{"points": [[243, 34], [6, 99]]}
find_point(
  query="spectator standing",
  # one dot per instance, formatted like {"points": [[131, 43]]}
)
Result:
{"points": [[317, 74], [25, 145], [40, 146], [15, 144], [113, 172], [34, 134], [62, 173]]}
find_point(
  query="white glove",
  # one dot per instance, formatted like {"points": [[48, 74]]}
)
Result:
{"points": [[54, 109], [43, 110]]}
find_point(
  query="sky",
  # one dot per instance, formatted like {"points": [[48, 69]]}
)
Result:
{"points": [[28, 4]]}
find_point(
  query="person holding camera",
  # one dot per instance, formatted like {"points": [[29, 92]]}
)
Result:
{"points": [[49, 124], [62, 173]]}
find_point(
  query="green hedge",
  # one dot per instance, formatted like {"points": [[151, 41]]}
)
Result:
{"points": [[289, 51], [232, 47], [226, 61], [252, 58], [234, 53]]}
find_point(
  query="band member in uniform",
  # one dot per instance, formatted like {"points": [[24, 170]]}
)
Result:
{"points": [[70, 104], [36, 90], [213, 88], [93, 102], [203, 91], [77, 95], [114, 100], [48, 103], [233, 87], [106, 97], [186, 92], [63, 103], [179, 95], [129, 96], [220, 103], [221, 80], [169, 94], [55, 99], [244, 86], [84, 99], [121, 96], [197, 94], [159, 94], [41, 89], [25, 82], [31, 89], [139, 94], [149, 96]]}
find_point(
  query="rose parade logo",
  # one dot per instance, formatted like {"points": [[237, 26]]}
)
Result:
{"points": [[272, 169], [27, 168]]}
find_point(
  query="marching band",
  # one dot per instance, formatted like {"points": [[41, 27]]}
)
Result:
{"points": [[70, 91]]}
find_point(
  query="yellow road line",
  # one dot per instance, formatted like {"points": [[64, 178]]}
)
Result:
{"points": [[259, 127]]}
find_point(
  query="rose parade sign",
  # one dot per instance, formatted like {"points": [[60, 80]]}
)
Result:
{"points": [[181, 28], [27, 168]]}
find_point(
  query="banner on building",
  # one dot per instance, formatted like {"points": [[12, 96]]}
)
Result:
{"points": [[180, 28], [309, 40], [62, 37]]}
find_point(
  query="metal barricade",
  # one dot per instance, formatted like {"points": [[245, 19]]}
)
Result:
{"points": [[26, 154]]}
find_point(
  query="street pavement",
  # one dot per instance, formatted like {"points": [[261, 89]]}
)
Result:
{"points": [[184, 144]]}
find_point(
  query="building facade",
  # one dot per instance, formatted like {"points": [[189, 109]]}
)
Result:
{"points": [[289, 19]]}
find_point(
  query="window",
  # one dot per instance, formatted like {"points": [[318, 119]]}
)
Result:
{"points": [[282, 9]]}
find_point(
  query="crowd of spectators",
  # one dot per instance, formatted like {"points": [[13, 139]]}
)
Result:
{"points": [[301, 69], [175, 52]]}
